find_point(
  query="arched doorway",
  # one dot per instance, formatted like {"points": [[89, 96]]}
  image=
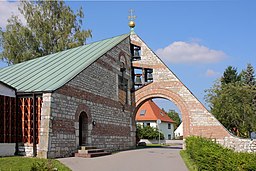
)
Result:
{"points": [[83, 128]]}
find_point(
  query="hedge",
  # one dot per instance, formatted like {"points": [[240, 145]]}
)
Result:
{"points": [[208, 155]]}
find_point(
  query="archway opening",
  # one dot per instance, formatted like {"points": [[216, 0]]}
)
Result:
{"points": [[83, 129], [163, 116]]}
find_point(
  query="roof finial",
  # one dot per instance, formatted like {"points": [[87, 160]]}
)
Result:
{"points": [[131, 18]]}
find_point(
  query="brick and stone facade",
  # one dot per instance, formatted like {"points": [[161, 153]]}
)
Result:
{"points": [[99, 104], [196, 118], [96, 93]]}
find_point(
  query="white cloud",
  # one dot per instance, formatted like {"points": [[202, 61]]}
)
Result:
{"points": [[7, 9], [190, 52], [212, 73]]}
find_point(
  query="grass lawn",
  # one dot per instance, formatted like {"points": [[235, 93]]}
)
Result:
{"points": [[154, 145], [25, 164], [187, 161]]}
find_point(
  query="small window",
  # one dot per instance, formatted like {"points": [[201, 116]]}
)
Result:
{"points": [[169, 136], [169, 126], [142, 112]]}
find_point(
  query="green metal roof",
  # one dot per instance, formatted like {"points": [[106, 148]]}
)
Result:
{"points": [[50, 72]]}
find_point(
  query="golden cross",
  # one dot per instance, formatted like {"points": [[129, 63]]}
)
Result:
{"points": [[131, 17]]}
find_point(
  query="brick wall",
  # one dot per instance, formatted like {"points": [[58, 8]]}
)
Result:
{"points": [[196, 118], [95, 92]]}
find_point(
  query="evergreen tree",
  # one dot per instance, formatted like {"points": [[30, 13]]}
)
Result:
{"points": [[50, 27], [230, 75], [248, 76]]}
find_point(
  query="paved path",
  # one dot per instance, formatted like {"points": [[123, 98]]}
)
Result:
{"points": [[148, 159]]}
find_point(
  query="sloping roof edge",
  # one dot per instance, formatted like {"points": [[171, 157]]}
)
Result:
{"points": [[156, 108], [88, 64], [153, 113], [26, 78]]}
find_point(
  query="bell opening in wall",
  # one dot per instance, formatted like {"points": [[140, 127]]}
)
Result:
{"points": [[136, 53]]}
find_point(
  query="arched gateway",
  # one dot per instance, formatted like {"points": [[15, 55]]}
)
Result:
{"points": [[196, 118]]}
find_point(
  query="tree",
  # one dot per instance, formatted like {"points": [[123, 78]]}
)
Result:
{"points": [[50, 27], [175, 117], [230, 75], [233, 107], [232, 102], [248, 76], [148, 132]]}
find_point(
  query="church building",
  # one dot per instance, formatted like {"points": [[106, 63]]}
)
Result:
{"points": [[80, 96]]}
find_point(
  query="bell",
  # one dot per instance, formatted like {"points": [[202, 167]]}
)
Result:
{"points": [[138, 79], [150, 76], [136, 55]]}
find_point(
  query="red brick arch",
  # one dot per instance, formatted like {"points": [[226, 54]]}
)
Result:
{"points": [[197, 120], [144, 95]]}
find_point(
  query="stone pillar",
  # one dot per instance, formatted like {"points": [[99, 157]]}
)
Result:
{"points": [[45, 127]]}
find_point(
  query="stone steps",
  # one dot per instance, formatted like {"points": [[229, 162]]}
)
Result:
{"points": [[87, 147], [98, 154], [89, 152]]}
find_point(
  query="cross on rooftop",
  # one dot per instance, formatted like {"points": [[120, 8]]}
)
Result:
{"points": [[131, 17]]}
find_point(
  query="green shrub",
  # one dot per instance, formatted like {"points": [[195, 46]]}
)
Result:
{"points": [[208, 155], [45, 165], [148, 132]]}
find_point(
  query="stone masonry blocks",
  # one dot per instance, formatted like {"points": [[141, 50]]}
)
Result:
{"points": [[95, 92]]}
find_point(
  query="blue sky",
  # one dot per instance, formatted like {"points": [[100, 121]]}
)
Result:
{"points": [[196, 39]]}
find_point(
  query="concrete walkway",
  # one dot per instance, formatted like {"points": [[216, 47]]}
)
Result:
{"points": [[149, 159]]}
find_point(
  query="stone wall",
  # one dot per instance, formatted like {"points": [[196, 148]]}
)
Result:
{"points": [[95, 92], [7, 149], [238, 144], [197, 120]]}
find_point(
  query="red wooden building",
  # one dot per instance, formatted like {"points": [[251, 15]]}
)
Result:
{"points": [[16, 123]]}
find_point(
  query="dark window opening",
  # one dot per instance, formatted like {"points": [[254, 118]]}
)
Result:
{"points": [[136, 51], [169, 126], [169, 136]]}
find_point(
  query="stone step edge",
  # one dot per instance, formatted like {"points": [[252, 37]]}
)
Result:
{"points": [[98, 154], [90, 151], [87, 147]]}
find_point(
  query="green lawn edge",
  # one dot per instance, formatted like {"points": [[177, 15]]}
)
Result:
{"points": [[190, 165], [18, 163]]}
